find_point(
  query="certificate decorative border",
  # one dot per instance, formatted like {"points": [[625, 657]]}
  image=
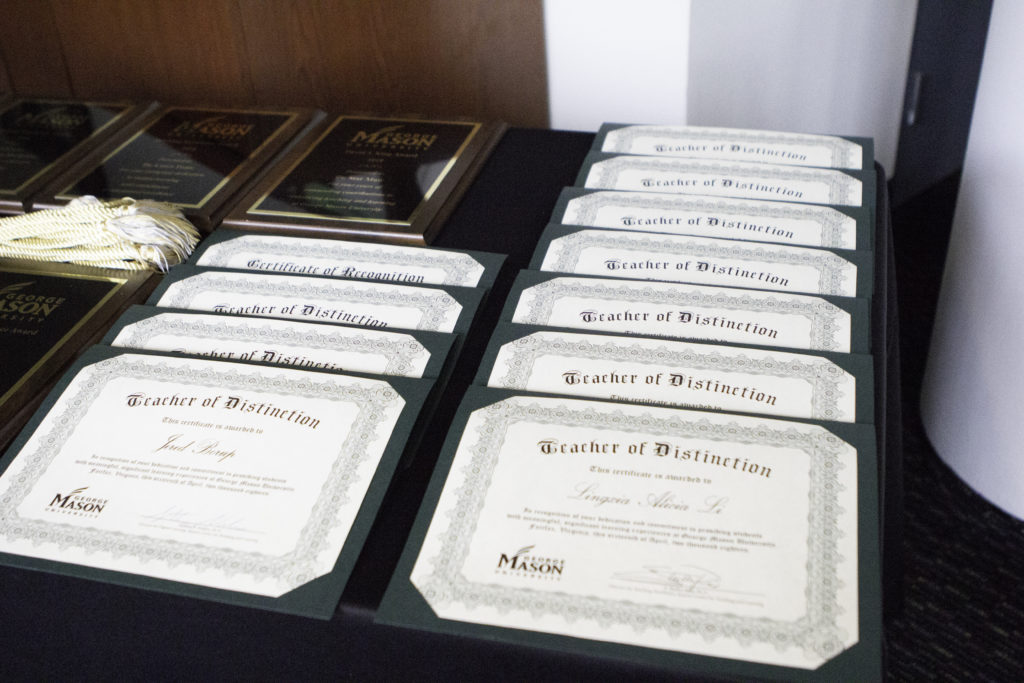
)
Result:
{"points": [[298, 566], [399, 350], [435, 305], [821, 374], [565, 253], [821, 313], [604, 173], [461, 270], [833, 224], [816, 632], [843, 153]]}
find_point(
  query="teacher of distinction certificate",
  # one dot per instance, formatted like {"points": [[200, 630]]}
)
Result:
{"points": [[235, 477], [693, 532]]}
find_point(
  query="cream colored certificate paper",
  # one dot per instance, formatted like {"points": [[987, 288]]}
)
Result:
{"points": [[230, 476], [735, 144], [366, 304], [700, 260], [725, 179], [729, 218], [701, 376], [338, 258], [305, 345], [665, 309], [695, 532]]}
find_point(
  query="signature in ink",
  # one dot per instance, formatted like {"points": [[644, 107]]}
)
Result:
{"points": [[684, 578]]}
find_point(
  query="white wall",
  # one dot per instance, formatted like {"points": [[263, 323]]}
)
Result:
{"points": [[814, 66], [612, 60], [973, 398]]}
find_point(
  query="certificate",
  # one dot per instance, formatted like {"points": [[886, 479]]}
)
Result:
{"points": [[737, 144], [340, 258], [319, 299], [833, 387], [702, 260], [661, 531], [726, 217], [282, 342], [727, 179], [187, 471], [683, 311]]}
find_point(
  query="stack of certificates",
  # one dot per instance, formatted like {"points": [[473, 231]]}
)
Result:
{"points": [[233, 439], [669, 453]]}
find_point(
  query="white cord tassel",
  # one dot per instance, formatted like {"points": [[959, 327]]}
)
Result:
{"points": [[124, 233]]}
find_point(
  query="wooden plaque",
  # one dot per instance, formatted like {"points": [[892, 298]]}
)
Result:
{"points": [[41, 138], [373, 178], [198, 158], [48, 313]]}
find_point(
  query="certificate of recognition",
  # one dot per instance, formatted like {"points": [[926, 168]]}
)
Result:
{"points": [[284, 342], [683, 311], [702, 260], [667, 530], [736, 144], [835, 388], [319, 299], [239, 478], [726, 179], [340, 258], [726, 217]]}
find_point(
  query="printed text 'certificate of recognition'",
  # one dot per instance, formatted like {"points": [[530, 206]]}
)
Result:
{"points": [[215, 474], [693, 532]]}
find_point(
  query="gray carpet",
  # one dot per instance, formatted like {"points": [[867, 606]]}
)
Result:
{"points": [[962, 617]]}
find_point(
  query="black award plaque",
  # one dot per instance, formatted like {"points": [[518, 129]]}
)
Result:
{"points": [[383, 179], [195, 158], [48, 313], [40, 138]]}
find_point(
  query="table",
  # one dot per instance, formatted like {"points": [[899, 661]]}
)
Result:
{"points": [[61, 627]]}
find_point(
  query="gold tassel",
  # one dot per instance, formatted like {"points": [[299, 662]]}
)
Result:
{"points": [[127, 234]]}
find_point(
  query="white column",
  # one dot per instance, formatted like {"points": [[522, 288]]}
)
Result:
{"points": [[973, 397], [616, 61], [806, 66]]}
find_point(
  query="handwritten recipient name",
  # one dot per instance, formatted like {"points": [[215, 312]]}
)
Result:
{"points": [[179, 443], [589, 492]]}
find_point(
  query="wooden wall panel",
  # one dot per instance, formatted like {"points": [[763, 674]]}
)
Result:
{"points": [[438, 57], [446, 57], [167, 50], [285, 55], [31, 48], [5, 80]]}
